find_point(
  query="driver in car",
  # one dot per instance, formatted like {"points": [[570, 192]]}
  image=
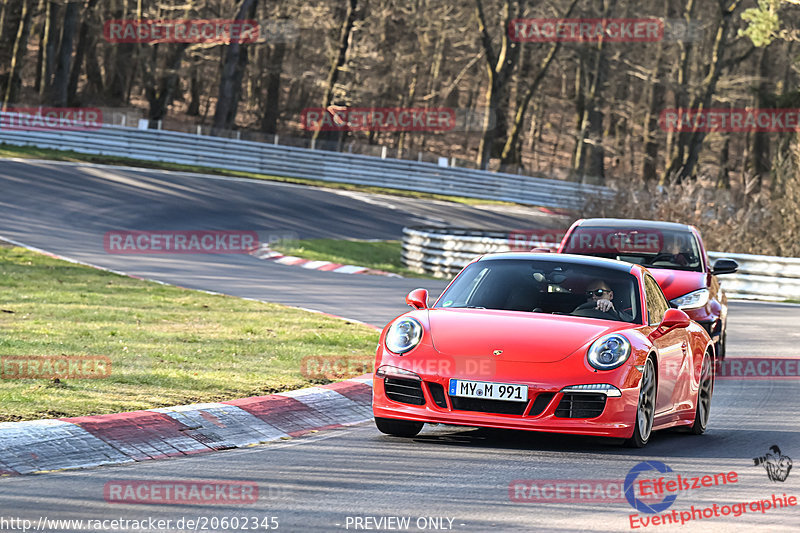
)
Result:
{"points": [[601, 295]]}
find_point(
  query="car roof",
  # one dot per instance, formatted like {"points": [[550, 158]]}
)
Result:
{"points": [[582, 260], [632, 223]]}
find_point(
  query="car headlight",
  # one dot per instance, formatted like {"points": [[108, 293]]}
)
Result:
{"points": [[693, 300], [403, 335], [609, 352]]}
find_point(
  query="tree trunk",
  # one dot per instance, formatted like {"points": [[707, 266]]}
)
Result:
{"points": [[511, 153], [84, 40], [233, 64], [724, 177], [49, 47], [58, 89], [18, 54], [160, 94], [272, 99], [499, 66], [694, 140], [195, 90], [654, 107], [676, 142], [40, 32], [10, 22], [341, 56], [589, 151], [760, 152], [119, 61], [94, 75]]}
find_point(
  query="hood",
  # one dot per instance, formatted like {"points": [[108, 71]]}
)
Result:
{"points": [[676, 283], [528, 337]]}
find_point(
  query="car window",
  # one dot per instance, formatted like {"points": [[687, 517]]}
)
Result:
{"points": [[656, 248], [535, 286], [656, 303]]}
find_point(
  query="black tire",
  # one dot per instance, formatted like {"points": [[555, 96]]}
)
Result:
{"points": [[721, 345], [704, 393], [398, 428], [646, 408]]}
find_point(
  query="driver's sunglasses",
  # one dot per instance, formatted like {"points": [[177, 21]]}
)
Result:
{"points": [[598, 292]]}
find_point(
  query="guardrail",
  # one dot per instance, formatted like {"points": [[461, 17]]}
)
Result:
{"points": [[288, 161], [443, 252]]}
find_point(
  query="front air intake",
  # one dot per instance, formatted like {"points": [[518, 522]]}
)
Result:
{"points": [[404, 390], [581, 405]]}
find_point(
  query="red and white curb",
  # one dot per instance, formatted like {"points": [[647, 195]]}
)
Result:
{"points": [[264, 252], [88, 441]]}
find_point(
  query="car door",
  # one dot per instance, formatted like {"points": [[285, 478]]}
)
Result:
{"points": [[672, 348]]}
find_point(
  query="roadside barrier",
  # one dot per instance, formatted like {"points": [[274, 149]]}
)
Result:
{"points": [[443, 252], [290, 161]]}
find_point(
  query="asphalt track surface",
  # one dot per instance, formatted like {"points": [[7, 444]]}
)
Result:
{"points": [[66, 209], [328, 481]]}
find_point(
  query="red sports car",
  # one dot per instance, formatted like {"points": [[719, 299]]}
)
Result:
{"points": [[545, 342], [673, 253]]}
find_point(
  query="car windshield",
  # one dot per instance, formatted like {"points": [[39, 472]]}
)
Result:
{"points": [[653, 248], [554, 287]]}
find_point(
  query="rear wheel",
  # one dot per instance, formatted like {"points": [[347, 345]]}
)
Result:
{"points": [[398, 428], [704, 392], [645, 411]]}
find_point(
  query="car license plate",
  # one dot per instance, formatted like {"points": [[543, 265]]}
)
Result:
{"points": [[488, 390]]}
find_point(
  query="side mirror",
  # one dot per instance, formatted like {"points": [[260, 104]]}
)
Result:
{"points": [[418, 299], [724, 266], [673, 318]]}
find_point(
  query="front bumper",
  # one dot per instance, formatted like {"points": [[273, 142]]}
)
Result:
{"points": [[547, 408], [711, 322]]}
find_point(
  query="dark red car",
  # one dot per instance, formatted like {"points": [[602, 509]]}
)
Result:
{"points": [[675, 256]]}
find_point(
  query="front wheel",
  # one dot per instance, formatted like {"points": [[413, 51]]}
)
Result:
{"points": [[398, 428], [646, 410], [721, 345], [704, 392]]}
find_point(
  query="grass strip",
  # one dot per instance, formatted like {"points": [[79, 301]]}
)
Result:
{"points": [[168, 346], [379, 255]]}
